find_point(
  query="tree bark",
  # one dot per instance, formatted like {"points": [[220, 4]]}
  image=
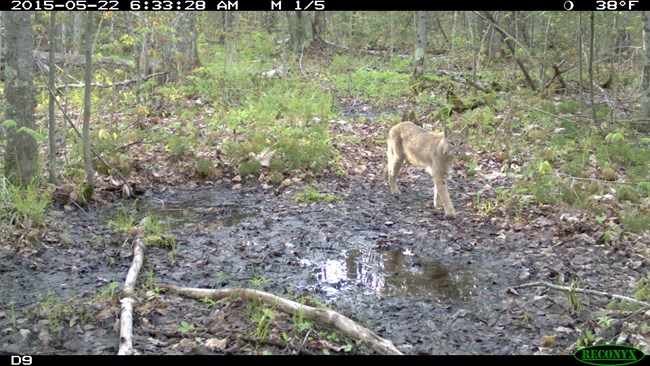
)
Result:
{"points": [[645, 84], [187, 42], [591, 65], [22, 150], [493, 40], [421, 45], [318, 24], [90, 172], [300, 33]]}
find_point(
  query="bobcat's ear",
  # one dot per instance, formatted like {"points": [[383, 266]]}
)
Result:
{"points": [[447, 131], [464, 131]]}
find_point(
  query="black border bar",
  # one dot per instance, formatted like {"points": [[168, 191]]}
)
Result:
{"points": [[325, 5]]}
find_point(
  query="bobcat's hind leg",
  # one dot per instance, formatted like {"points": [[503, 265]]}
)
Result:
{"points": [[393, 167]]}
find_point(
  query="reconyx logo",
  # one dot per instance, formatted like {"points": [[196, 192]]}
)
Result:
{"points": [[609, 354]]}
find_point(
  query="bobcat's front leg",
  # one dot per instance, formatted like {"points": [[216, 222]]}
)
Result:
{"points": [[442, 197]]}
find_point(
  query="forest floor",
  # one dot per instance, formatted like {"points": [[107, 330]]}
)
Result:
{"points": [[394, 264]]}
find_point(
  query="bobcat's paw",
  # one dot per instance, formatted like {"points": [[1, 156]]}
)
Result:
{"points": [[450, 216]]}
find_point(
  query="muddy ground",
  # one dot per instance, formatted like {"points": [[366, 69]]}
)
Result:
{"points": [[394, 264]]}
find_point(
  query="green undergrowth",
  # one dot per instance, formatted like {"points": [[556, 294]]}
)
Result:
{"points": [[311, 194], [24, 204], [603, 170]]}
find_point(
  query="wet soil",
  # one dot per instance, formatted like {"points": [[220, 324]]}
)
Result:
{"points": [[394, 264]]}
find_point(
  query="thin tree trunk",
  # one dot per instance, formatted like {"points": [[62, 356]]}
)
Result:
{"points": [[475, 50], [88, 70], [645, 84], [52, 121], [591, 66], [542, 71], [580, 51]]}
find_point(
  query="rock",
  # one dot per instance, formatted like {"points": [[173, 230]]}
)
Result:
{"points": [[24, 333]]}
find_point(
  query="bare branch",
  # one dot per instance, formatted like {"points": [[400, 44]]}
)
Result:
{"points": [[583, 291]]}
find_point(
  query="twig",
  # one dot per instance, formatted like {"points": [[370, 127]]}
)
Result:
{"points": [[543, 111], [594, 179], [134, 143], [583, 291], [303, 341]]}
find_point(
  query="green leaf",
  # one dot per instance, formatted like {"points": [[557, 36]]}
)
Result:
{"points": [[35, 135], [545, 167], [10, 123]]}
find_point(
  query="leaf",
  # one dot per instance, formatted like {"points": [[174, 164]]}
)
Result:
{"points": [[10, 123], [545, 167], [214, 344], [103, 134], [35, 135]]}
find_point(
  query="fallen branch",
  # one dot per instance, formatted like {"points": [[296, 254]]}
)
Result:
{"points": [[326, 316], [126, 317], [80, 60], [132, 275], [583, 291], [462, 79], [126, 327], [594, 179], [100, 85]]}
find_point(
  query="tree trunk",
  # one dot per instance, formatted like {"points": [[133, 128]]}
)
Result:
{"points": [[88, 70], [300, 33], [421, 46], [493, 40], [52, 120], [645, 84], [77, 25], [22, 151], [511, 46], [319, 24], [187, 42], [591, 66], [580, 40]]}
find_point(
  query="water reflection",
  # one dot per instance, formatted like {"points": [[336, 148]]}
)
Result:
{"points": [[392, 273]]}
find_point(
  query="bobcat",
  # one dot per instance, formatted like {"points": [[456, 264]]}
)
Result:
{"points": [[434, 152]]}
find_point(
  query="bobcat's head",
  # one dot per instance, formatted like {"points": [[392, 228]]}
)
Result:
{"points": [[455, 142]]}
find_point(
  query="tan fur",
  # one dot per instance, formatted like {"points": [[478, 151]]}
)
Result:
{"points": [[434, 152]]}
